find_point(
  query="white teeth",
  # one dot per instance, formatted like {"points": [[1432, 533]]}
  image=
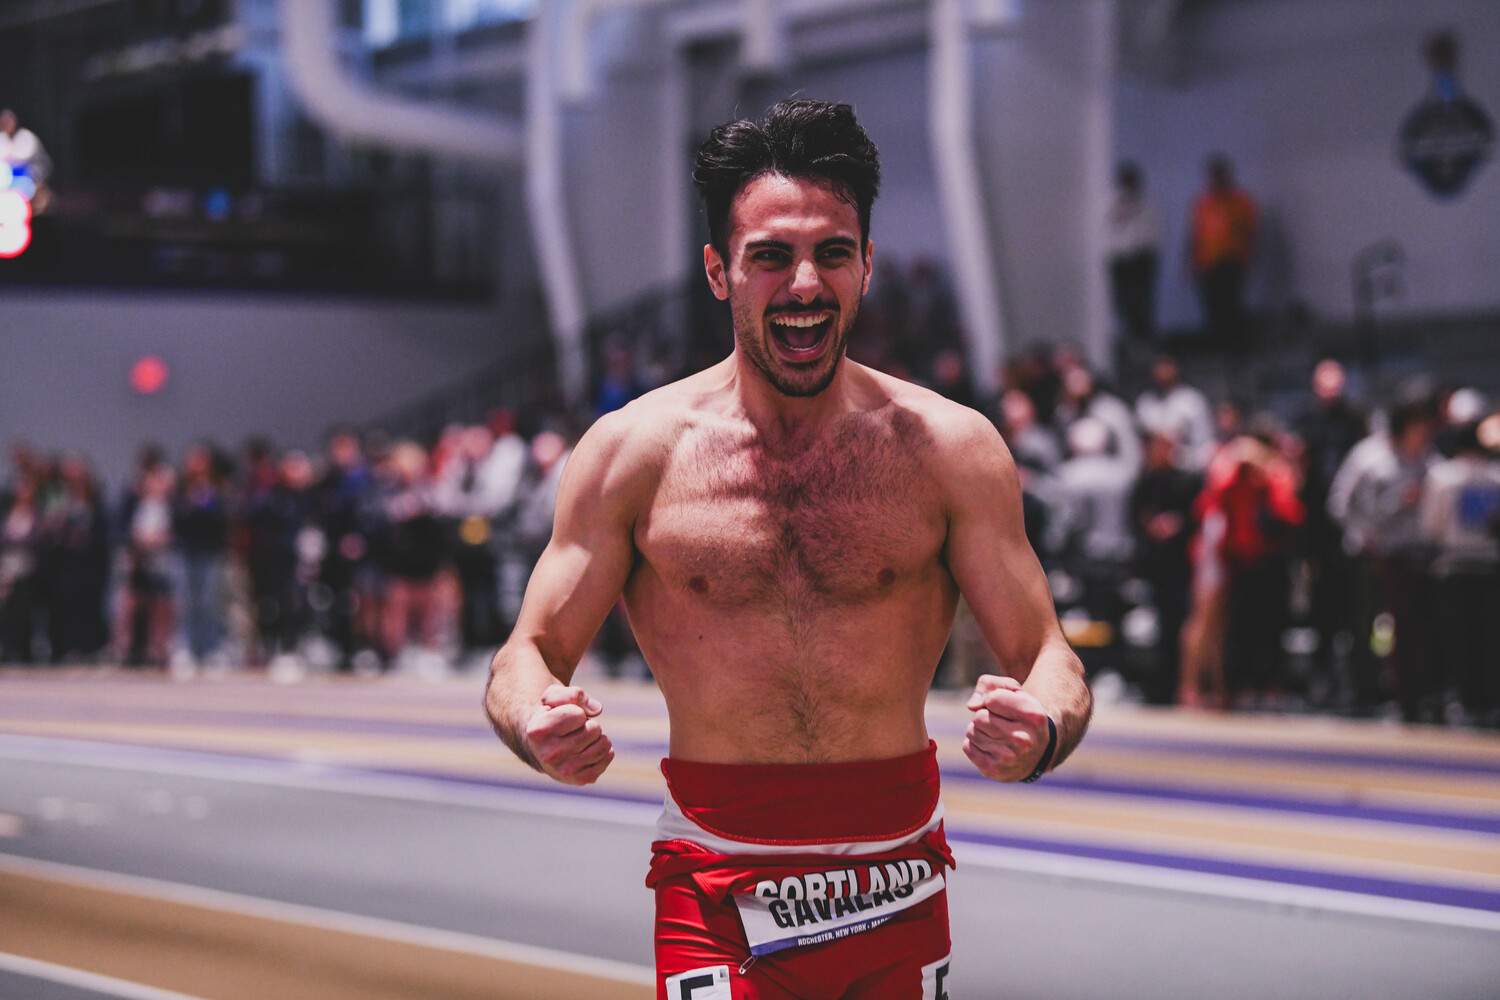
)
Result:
{"points": [[801, 321]]}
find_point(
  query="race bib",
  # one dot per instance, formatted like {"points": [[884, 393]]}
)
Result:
{"points": [[711, 983], [815, 907]]}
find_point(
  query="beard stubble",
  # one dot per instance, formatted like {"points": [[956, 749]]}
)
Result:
{"points": [[788, 378]]}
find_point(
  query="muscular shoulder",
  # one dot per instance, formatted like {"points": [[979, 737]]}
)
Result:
{"points": [[959, 435], [964, 453], [626, 451]]}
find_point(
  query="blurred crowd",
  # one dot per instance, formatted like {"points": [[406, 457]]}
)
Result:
{"points": [[1332, 557], [1327, 559], [376, 550], [1197, 554]]}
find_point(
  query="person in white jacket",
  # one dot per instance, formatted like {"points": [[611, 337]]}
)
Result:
{"points": [[1374, 499], [1460, 518], [25, 156]]}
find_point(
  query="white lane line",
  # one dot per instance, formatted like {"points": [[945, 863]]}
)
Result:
{"points": [[562, 804], [1223, 886], [569, 804], [91, 981], [331, 920]]}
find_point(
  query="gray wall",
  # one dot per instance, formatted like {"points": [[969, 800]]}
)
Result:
{"points": [[239, 366], [1307, 97], [1034, 90], [1032, 106], [889, 94]]}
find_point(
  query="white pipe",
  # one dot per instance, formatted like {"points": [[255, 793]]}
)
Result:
{"points": [[1154, 24], [763, 41], [357, 113], [1099, 151], [676, 217], [761, 23], [353, 111], [959, 189], [547, 208]]}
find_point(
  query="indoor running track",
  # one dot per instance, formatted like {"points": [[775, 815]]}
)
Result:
{"points": [[230, 838]]}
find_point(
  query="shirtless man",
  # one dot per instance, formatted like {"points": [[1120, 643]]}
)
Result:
{"points": [[791, 531]]}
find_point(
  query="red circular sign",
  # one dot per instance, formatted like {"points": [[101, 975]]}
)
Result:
{"points": [[148, 375]]}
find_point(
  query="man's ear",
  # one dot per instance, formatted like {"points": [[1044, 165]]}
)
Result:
{"points": [[713, 266], [869, 255]]}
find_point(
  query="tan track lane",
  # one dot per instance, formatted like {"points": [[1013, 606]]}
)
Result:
{"points": [[219, 954]]}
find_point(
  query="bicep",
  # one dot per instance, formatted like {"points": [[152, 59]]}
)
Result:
{"points": [[993, 563], [583, 569], [569, 595]]}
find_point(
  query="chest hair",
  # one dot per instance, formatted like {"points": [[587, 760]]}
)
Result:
{"points": [[794, 527]]}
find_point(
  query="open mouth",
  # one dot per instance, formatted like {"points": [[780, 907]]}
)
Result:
{"points": [[801, 336]]}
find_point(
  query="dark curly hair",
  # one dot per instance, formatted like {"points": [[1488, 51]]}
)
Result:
{"points": [[797, 138]]}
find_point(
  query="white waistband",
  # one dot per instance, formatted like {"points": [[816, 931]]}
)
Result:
{"points": [[674, 824]]}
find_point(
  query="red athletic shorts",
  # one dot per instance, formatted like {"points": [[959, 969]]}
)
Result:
{"points": [[815, 882]]}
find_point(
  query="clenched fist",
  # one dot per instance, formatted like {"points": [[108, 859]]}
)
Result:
{"points": [[1008, 734], [564, 737]]}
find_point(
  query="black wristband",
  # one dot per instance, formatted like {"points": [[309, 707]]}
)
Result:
{"points": [[1041, 765]]}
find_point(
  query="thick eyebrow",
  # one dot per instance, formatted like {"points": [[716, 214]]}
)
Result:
{"points": [[754, 245], [833, 241]]}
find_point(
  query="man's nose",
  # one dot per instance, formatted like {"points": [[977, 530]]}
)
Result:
{"points": [[806, 282]]}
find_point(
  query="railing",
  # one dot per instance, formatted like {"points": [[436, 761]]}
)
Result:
{"points": [[653, 331], [362, 242]]}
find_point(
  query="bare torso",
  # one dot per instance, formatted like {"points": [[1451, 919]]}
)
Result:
{"points": [[789, 590]]}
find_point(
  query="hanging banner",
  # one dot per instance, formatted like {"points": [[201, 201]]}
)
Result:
{"points": [[1446, 137]]}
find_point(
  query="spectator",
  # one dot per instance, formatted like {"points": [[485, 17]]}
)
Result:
{"points": [[549, 455], [1222, 239], [1161, 513], [410, 552], [77, 533], [471, 502], [931, 321], [200, 524], [20, 542], [1179, 411], [277, 510], [1329, 428], [144, 624], [254, 538], [22, 152], [1202, 637], [882, 318], [1459, 517], [1034, 446], [950, 376], [1082, 397], [25, 467], [1461, 409], [1375, 497], [619, 384], [342, 510], [504, 468], [1134, 240], [1091, 527], [1092, 488], [1255, 491]]}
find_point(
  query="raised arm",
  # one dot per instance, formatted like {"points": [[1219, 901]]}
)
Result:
{"points": [[549, 725], [998, 574]]}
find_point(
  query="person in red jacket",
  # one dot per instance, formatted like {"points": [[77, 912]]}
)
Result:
{"points": [[1253, 489]]}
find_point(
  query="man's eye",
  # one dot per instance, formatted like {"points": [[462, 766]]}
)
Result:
{"points": [[770, 257], [835, 256]]}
